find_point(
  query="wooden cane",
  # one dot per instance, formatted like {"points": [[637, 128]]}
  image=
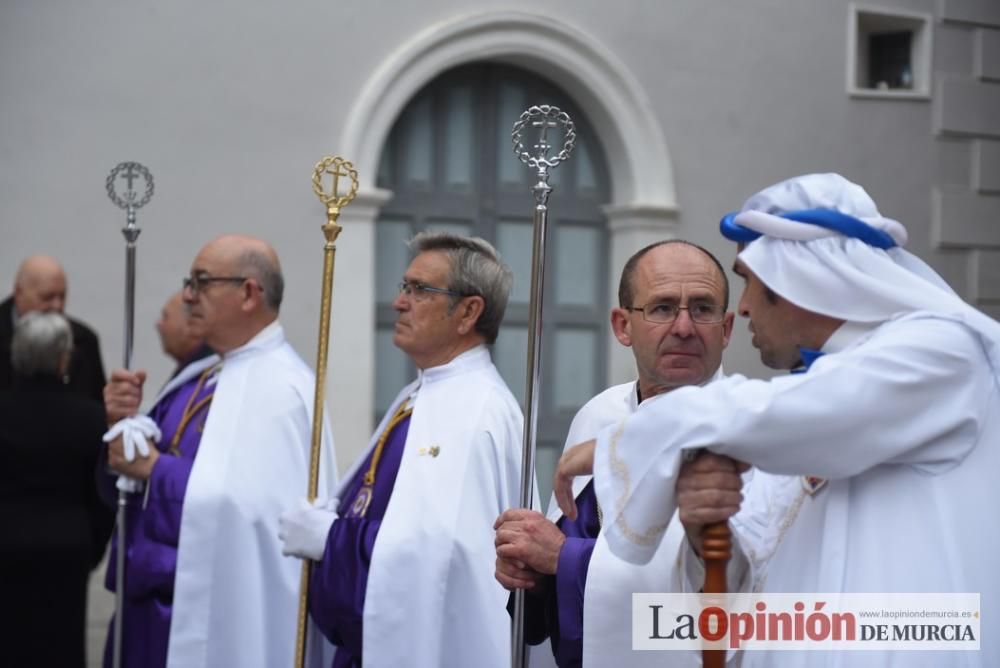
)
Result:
{"points": [[716, 548], [337, 167]]}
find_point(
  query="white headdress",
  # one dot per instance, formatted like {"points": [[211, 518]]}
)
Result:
{"points": [[820, 242]]}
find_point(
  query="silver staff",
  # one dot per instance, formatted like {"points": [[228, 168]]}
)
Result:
{"points": [[544, 117], [129, 200]]}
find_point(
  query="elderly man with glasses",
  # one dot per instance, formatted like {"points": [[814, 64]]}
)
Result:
{"points": [[403, 573], [228, 449], [672, 313]]}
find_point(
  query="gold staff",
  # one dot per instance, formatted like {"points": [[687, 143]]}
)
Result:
{"points": [[338, 168]]}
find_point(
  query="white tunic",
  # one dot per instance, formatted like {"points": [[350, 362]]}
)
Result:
{"points": [[236, 596], [904, 422], [607, 601], [609, 407], [432, 600]]}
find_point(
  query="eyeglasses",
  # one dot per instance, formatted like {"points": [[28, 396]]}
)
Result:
{"points": [[198, 283], [420, 292], [702, 313]]}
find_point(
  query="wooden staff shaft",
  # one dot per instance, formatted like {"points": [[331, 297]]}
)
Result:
{"points": [[716, 548]]}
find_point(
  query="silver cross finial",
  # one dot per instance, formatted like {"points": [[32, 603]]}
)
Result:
{"points": [[544, 117], [130, 172]]}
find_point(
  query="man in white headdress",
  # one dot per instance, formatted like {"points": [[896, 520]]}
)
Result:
{"points": [[673, 298], [886, 445]]}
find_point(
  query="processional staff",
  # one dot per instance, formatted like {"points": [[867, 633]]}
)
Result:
{"points": [[715, 551], [129, 200], [544, 117], [338, 168]]}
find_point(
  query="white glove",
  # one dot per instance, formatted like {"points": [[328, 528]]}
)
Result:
{"points": [[303, 531], [134, 431]]}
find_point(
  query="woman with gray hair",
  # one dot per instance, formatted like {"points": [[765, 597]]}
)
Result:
{"points": [[53, 527]]}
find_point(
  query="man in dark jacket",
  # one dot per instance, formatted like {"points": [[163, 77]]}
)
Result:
{"points": [[40, 285]]}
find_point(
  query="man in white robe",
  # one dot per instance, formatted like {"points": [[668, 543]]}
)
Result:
{"points": [[673, 298], [404, 555], [205, 582], [885, 448]]}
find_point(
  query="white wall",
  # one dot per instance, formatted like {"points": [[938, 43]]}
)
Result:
{"points": [[231, 103]]}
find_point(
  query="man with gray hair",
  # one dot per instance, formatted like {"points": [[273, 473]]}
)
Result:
{"points": [[206, 584], [404, 555], [54, 525], [42, 345]]}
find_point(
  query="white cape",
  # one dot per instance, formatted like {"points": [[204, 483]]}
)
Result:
{"points": [[432, 600], [607, 607], [235, 595]]}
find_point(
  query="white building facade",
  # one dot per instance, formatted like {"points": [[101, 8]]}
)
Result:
{"points": [[690, 107]]}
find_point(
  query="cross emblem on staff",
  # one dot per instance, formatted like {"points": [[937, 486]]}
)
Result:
{"points": [[543, 145], [338, 169], [130, 175], [335, 171], [543, 117], [130, 172]]}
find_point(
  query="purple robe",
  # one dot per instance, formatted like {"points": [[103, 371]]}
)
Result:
{"points": [[339, 580], [557, 609], [152, 536]]}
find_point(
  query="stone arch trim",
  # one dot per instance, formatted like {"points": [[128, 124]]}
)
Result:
{"points": [[615, 102]]}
